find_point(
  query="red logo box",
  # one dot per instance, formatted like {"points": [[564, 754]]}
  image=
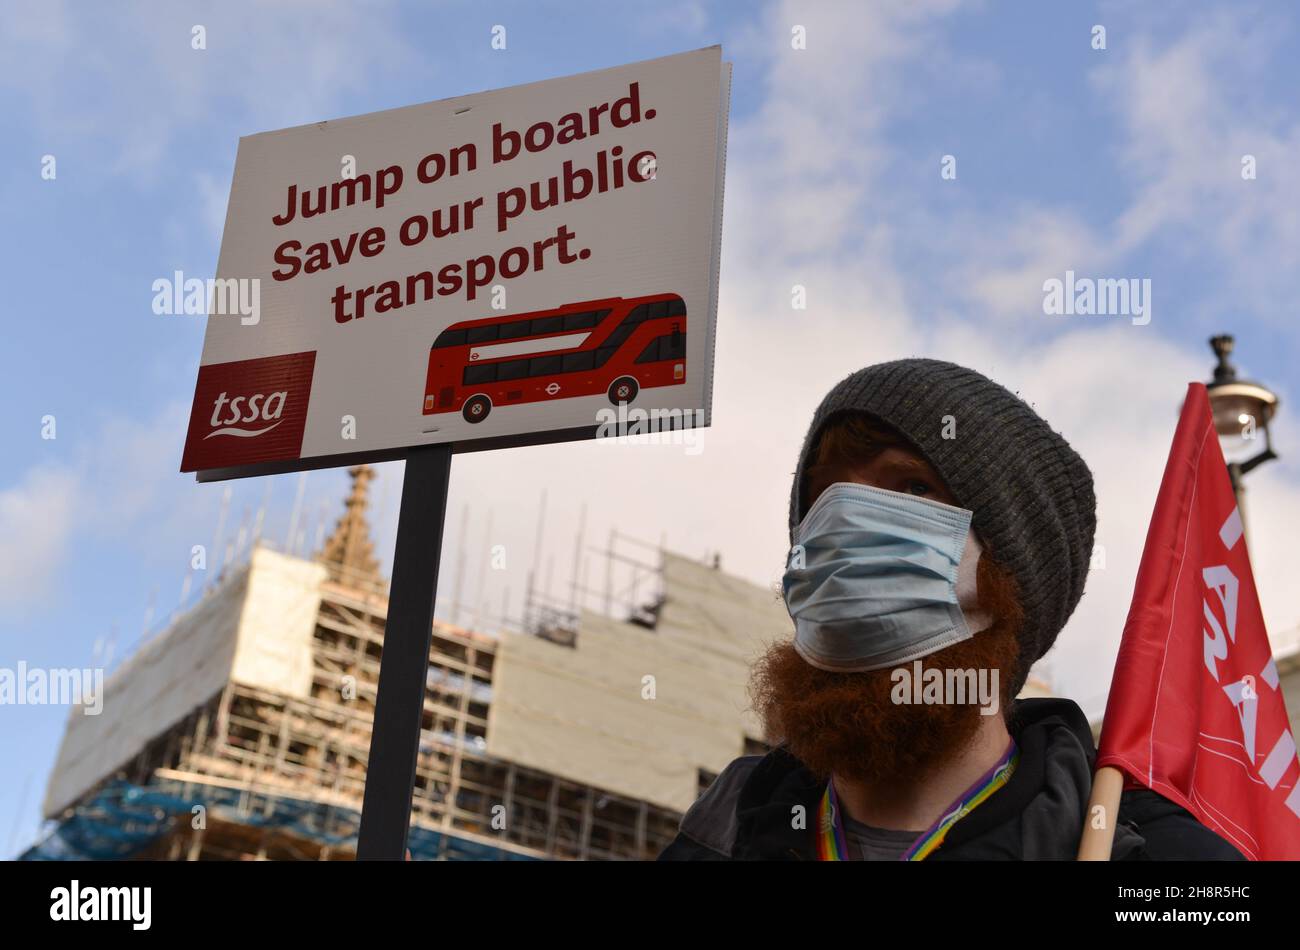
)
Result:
{"points": [[249, 411]]}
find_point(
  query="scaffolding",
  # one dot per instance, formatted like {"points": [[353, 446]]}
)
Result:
{"points": [[279, 773]]}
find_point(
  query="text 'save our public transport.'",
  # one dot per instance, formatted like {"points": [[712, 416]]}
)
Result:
{"points": [[490, 270]]}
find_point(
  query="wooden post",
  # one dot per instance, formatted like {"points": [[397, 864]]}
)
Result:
{"points": [[1102, 814]]}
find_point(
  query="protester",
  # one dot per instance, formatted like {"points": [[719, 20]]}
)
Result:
{"points": [[941, 531]]}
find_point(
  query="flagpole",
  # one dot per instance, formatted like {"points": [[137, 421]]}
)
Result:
{"points": [[1095, 844]]}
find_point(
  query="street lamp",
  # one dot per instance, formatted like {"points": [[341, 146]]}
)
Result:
{"points": [[1242, 410]]}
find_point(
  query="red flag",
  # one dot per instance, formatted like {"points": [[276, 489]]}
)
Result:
{"points": [[1195, 711]]}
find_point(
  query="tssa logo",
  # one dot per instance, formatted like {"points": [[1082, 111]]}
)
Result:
{"points": [[260, 409], [259, 406]]}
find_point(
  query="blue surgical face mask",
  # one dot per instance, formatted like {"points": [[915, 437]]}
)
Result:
{"points": [[877, 578]]}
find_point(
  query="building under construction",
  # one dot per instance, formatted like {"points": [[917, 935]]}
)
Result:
{"points": [[242, 731]]}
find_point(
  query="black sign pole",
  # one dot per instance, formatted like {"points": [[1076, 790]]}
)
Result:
{"points": [[404, 666]]}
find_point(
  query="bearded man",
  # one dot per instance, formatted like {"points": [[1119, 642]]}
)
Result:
{"points": [[940, 531]]}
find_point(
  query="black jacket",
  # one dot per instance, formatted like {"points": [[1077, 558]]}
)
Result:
{"points": [[1038, 815]]}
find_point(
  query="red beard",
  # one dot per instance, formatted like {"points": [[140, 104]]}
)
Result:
{"points": [[849, 724]]}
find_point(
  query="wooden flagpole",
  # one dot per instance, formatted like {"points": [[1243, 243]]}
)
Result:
{"points": [[1103, 812]]}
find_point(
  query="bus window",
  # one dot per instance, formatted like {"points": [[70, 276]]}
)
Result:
{"points": [[670, 346], [478, 373], [510, 331], [483, 334], [450, 338], [657, 309], [651, 352], [575, 362], [580, 321], [547, 325], [544, 365], [637, 314], [620, 335], [512, 369], [603, 354], [677, 307], [673, 346]]}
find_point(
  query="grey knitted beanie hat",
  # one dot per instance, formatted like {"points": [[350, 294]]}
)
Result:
{"points": [[1031, 494]]}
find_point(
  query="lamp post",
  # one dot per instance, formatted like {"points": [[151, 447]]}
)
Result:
{"points": [[1242, 410]]}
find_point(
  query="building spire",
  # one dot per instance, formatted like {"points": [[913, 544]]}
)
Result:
{"points": [[349, 553]]}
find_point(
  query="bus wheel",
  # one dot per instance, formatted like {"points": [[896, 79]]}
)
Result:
{"points": [[476, 408], [623, 389]]}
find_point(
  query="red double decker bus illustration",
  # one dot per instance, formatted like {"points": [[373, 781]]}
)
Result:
{"points": [[613, 346]]}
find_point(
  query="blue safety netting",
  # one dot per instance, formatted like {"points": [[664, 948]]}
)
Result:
{"points": [[123, 819]]}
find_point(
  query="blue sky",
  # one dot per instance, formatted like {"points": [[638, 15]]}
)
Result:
{"points": [[1123, 162]]}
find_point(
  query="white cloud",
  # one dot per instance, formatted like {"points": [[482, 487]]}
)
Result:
{"points": [[121, 486], [213, 196], [37, 520], [1190, 102], [1192, 106], [1004, 278], [127, 78], [684, 16]]}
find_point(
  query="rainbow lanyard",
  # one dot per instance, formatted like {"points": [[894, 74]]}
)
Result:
{"points": [[831, 844]]}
